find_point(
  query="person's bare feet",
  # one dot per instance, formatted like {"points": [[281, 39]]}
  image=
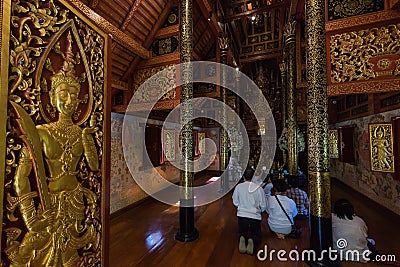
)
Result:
{"points": [[280, 236]]}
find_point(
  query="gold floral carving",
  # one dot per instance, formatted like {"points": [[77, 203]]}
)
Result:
{"points": [[342, 8], [365, 54], [346, 23], [169, 139], [381, 147], [55, 138], [364, 87], [333, 140]]}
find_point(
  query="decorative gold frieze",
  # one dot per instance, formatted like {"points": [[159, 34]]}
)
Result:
{"points": [[372, 18], [169, 139], [333, 139], [343, 9], [381, 147], [365, 54], [364, 87]]}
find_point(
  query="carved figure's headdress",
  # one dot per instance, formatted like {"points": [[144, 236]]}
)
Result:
{"points": [[67, 72]]}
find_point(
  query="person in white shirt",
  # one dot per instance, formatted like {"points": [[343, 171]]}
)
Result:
{"points": [[349, 233], [278, 222], [267, 185], [249, 198]]}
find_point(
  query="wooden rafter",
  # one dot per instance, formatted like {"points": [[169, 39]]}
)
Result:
{"points": [[149, 39], [93, 3], [205, 10], [130, 14], [256, 11], [119, 36]]}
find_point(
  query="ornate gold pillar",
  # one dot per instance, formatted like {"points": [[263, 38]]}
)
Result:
{"points": [[237, 102], [290, 44], [283, 69], [223, 43], [187, 232], [317, 102]]}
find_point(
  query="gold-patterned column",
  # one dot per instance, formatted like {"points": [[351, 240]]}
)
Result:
{"points": [[223, 43], [187, 231], [283, 69], [237, 102], [317, 102], [290, 44]]}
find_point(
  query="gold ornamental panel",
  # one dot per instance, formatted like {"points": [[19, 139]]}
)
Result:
{"points": [[154, 86], [55, 156], [169, 144], [381, 147], [365, 54], [333, 141]]}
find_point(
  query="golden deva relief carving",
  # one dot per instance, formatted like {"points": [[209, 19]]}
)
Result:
{"points": [[365, 54], [333, 141], [53, 183], [381, 147]]}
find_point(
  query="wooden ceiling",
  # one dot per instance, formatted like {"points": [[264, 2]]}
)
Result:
{"points": [[141, 21]]}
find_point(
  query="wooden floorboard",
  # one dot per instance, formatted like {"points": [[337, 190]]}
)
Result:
{"points": [[144, 235]]}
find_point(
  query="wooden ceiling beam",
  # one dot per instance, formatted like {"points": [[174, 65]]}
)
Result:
{"points": [[119, 36], [149, 39], [130, 14], [256, 11], [205, 10], [93, 3]]}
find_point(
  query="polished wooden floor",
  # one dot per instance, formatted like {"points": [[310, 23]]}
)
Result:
{"points": [[144, 234]]}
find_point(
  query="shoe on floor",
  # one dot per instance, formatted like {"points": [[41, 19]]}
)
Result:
{"points": [[250, 246], [242, 245]]}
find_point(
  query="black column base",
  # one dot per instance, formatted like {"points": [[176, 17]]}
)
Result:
{"points": [[186, 232], [187, 237]]}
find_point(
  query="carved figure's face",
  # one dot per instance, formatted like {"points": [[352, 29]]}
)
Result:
{"points": [[66, 99]]}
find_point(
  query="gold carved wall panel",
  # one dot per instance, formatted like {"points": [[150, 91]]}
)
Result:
{"points": [[381, 147], [157, 85], [333, 139], [365, 54], [169, 144], [55, 194]]}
